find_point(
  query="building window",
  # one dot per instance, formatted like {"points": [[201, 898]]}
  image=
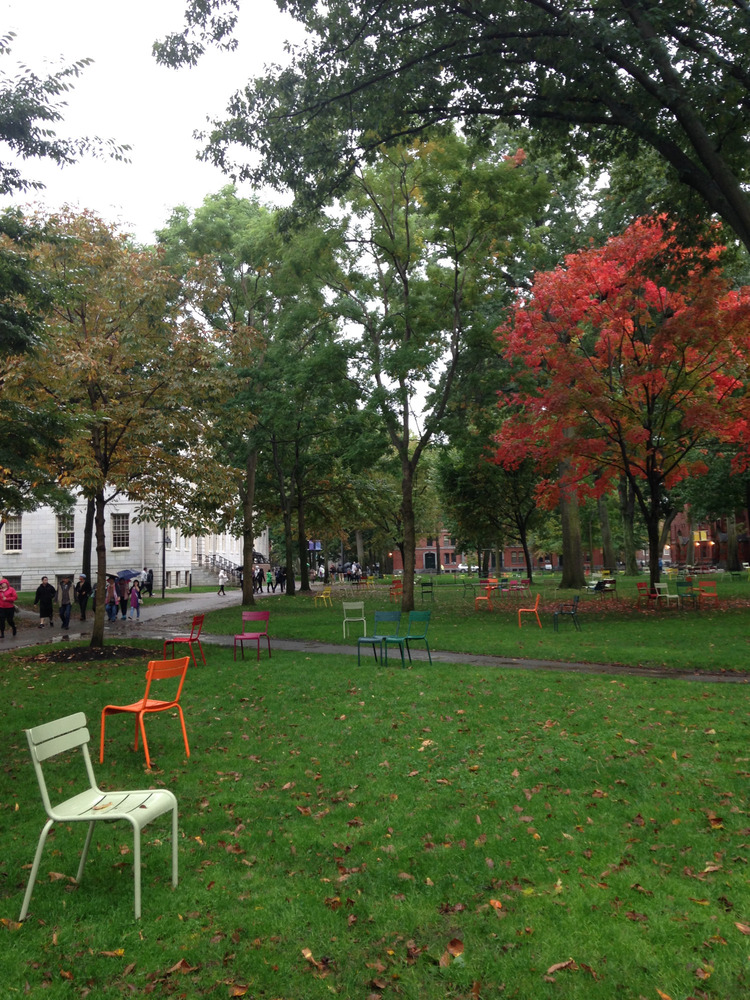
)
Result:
{"points": [[120, 531], [66, 537], [13, 534]]}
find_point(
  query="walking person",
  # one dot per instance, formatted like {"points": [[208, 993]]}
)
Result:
{"points": [[45, 595], [123, 594], [222, 580], [81, 593], [135, 602], [270, 582], [111, 599], [64, 599], [149, 582], [8, 598]]}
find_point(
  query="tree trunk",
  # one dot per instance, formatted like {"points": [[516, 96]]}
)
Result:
{"points": [[608, 549], [359, 541], [572, 570], [410, 541], [247, 495], [627, 510], [88, 538], [733, 548], [97, 632]]}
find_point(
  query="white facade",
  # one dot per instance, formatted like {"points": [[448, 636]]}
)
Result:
{"points": [[42, 543]]}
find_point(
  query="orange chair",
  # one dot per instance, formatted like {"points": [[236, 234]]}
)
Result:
{"points": [[531, 611], [192, 639], [480, 601], [242, 637], [396, 590], [158, 670], [707, 592]]}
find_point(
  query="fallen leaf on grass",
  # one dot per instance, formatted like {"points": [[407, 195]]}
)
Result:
{"points": [[559, 966], [664, 996], [742, 928], [182, 966], [117, 953]]}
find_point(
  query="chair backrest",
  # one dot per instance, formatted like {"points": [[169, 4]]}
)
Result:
{"points": [[52, 738], [357, 609], [389, 619], [707, 586], [196, 627], [256, 616], [660, 588], [642, 587], [418, 618], [160, 670]]}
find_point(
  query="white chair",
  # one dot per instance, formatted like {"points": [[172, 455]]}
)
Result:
{"points": [[92, 805], [662, 594], [354, 611]]}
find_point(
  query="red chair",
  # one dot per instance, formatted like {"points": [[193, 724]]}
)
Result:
{"points": [[645, 593], [191, 640], [158, 670], [707, 592], [243, 637], [530, 611]]}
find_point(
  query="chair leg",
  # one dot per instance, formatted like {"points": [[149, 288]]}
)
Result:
{"points": [[137, 870], [35, 869], [101, 738], [268, 640], [145, 743], [85, 852], [184, 731]]}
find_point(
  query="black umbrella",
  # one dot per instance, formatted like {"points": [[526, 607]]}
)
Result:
{"points": [[127, 574]]}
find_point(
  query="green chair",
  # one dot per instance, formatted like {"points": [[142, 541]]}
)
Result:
{"points": [[387, 624], [91, 805], [416, 631]]}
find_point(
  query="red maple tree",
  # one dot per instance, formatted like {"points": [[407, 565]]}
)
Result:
{"points": [[627, 360]]}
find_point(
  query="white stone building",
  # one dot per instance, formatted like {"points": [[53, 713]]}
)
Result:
{"points": [[42, 543]]}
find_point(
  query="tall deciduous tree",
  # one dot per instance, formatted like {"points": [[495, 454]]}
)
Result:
{"points": [[608, 76], [630, 358], [127, 367], [433, 224]]}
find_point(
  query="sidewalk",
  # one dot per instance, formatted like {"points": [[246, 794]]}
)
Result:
{"points": [[162, 620]]}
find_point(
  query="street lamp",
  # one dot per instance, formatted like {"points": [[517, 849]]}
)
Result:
{"points": [[165, 544]]}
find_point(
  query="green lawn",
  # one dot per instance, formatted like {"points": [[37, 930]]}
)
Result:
{"points": [[612, 630], [444, 831]]}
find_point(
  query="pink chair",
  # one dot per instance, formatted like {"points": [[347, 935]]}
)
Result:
{"points": [[242, 637]]}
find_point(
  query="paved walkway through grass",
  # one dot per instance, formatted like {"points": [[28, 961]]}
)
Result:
{"points": [[173, 617]]}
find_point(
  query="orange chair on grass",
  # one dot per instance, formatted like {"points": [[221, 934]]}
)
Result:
{"points": [[531, 611], [191, 640], [158, 670], [244, 636]]}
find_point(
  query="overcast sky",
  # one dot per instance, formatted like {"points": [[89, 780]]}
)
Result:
{"points": [[125, 96]]}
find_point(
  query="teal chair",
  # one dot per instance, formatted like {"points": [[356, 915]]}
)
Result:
{"points": [[387, 624], [416, 631]]}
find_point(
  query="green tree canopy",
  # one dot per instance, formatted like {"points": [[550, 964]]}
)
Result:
{"points": [[606, 76]]}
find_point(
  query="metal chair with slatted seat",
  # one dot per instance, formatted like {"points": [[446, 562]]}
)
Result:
{"points": [[91, 805]]}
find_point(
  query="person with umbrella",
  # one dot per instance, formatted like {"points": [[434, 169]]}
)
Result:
{"points": [[82, 592]]}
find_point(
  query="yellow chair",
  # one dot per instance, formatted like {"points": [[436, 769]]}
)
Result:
{"points": [[324, 595]]}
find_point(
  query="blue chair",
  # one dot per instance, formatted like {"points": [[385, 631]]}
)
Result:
{"points": [[416, 631], [387, 624]]}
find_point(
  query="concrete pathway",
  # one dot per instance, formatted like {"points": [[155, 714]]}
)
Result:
{"points": [[161, 620]]}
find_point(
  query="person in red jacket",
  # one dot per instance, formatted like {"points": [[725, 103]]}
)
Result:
{"points": [[8, 598]]}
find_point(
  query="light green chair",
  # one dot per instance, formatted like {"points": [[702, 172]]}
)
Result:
{"points": [[92, 805], [354, 611]]}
